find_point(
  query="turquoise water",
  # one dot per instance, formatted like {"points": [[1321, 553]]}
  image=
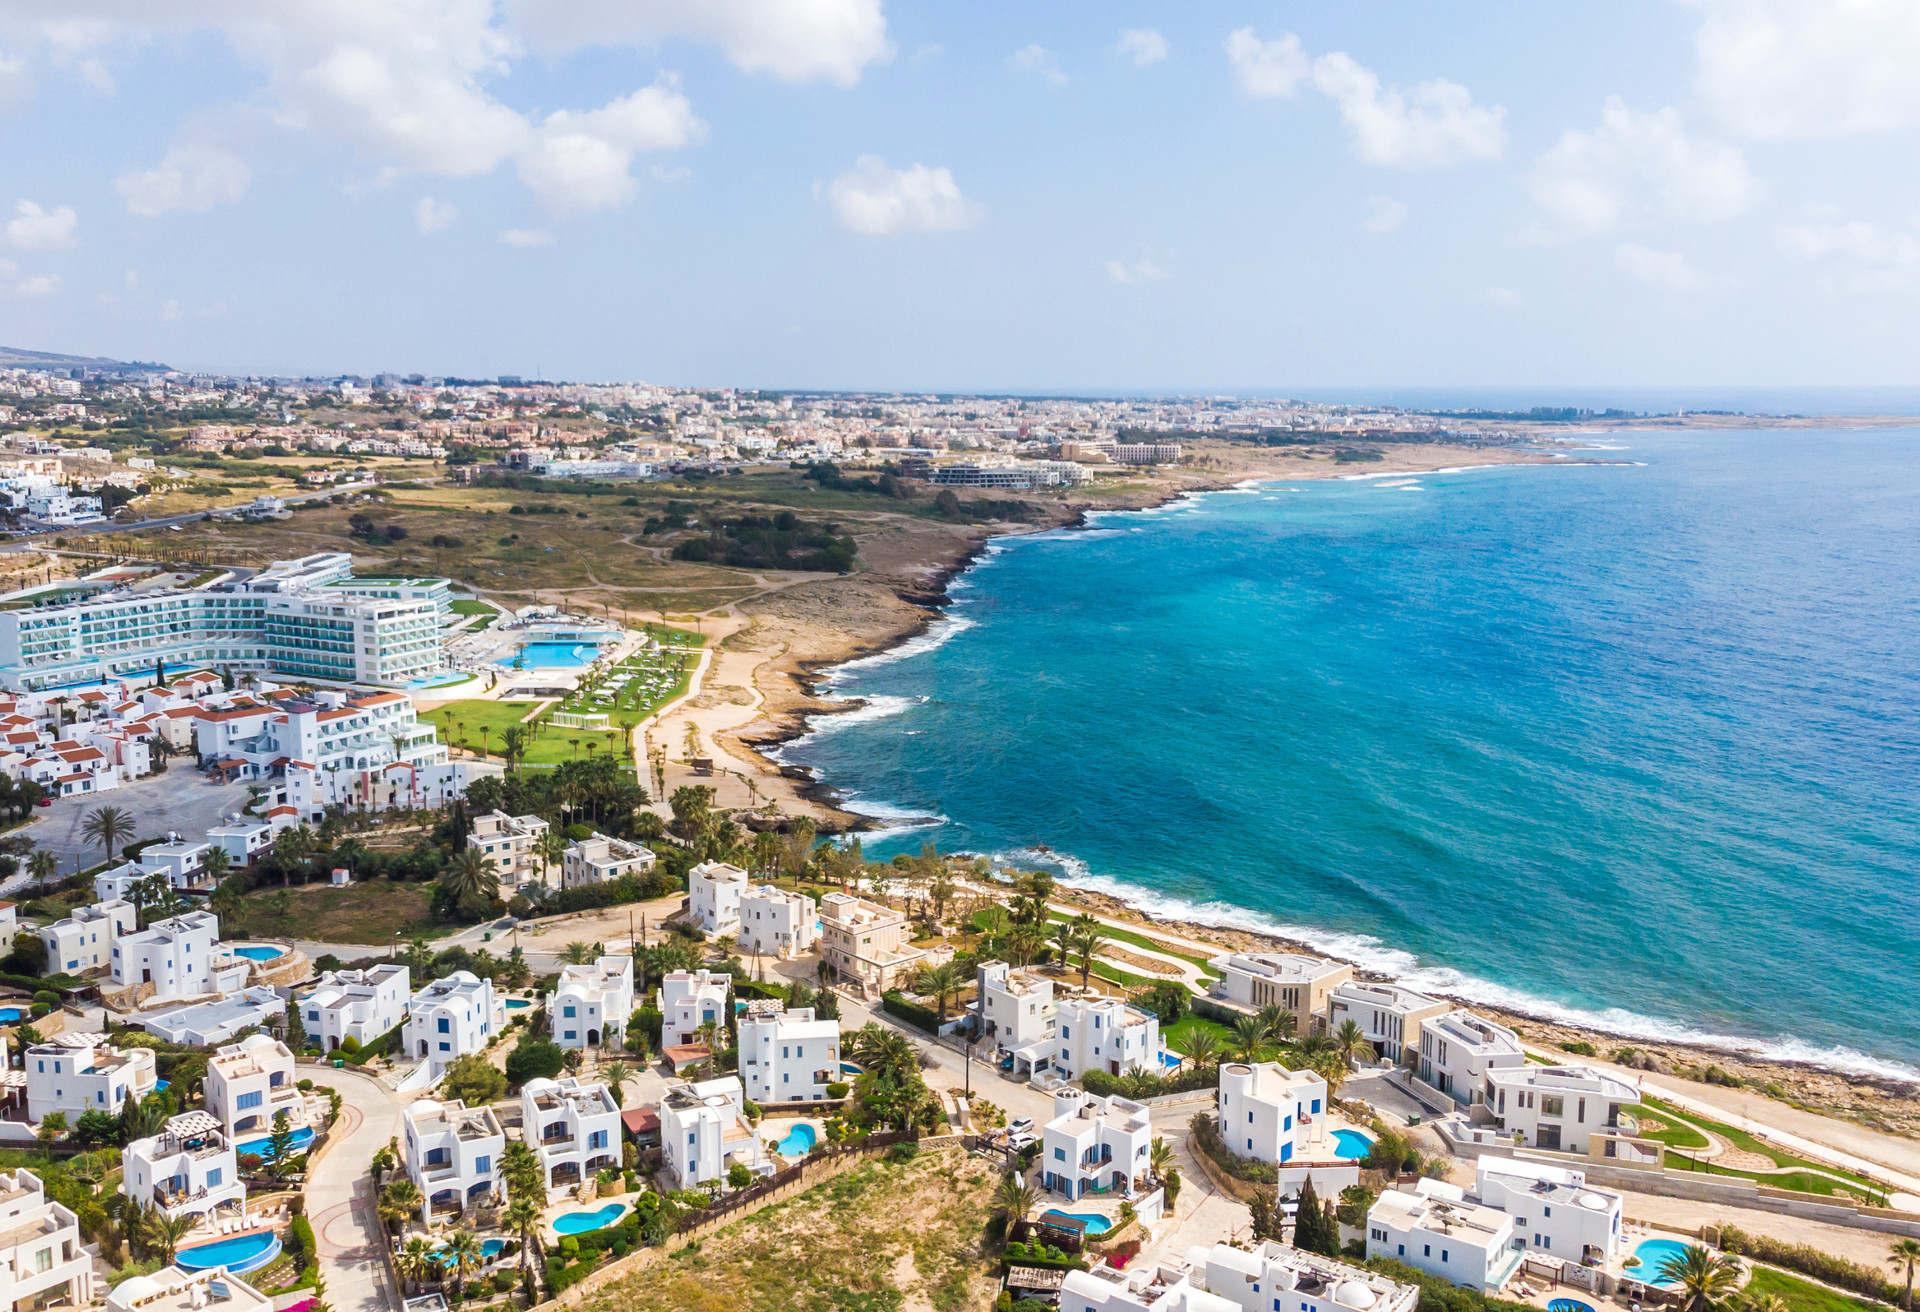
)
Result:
{"points": [[1351, 1145], [240, 1254], [1609, 742], [517, 1004], [573, 1223], [262, 1147], [489, 1248], [1568, 1305], [8, 1015], [799, 1141], [1096, 1223], [1653, 1254], [553, 655], [260, 954]]}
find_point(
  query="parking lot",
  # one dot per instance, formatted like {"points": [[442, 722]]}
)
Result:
{"points": [[182, 800]]}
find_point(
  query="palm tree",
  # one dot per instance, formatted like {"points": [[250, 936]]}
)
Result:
{"points": [[578, 954], [463, 1255], [1023, 943], [165, 1232], [485, 731], [1165, 1165], [1701, 1276], [1332, 1068], [1088, 935], [1014, 1198], [513, 744], [1248, 1035], [415, 1259], [523, 1215], [1905, 1253], [616, 1074], [550, 847], [108, 826], [43, 865], [1348, 1040], [942, 982], [215, 863], [469, 876], [1201, 1046], [398, 1201]]}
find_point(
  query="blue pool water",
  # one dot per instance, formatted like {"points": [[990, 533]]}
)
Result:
{"points": [[1612, 700], [1568, 1305], [848, 1068], [1653, 1253], [799, 1141], [260, 953], [1169, 1059], [262, 1148], [573, 1223], [489, 1248], [162, 1084], [1096, 1223], [1351, 1145], [240, 1254], [8, 1015], [553, 655], [515, 1004]]}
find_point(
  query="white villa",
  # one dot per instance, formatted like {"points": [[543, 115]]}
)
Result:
{"points": [[1298, 983], [451, 1017], [43, 1257], [688, 1000], [1435, 1230], [1106, 1034], [1458, 1048], [77, 1072], [1280, 1276], [1554, 1210], [451, 1152], [600, 859], [590, 1001], [510, 843], [1095, 1143], [84, 940], [776, 924], [360, 1005], [714, 893], [1013, 1010], [1561, 1108], [703, 1131], [244, 841], [171, 1289], [179, 956], [248, 1082], [1272, 1114], [189, 1168], [1388, 1015], [574, 1125], [787, 1056]]}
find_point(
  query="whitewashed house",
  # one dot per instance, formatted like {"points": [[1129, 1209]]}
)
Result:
{"points": [[1554, 1210], [775, 923], [75, 1072], [189, 1168], [574, 1125], [1561, 1108], [714, 893], [1095, 1142], [510, 843], [703, 1131], [591, 1001], [1435, 1230], [84, 940], [452, 1154], [244, 841], [1458, 1048], [787, 1056], [44, 1261], [1291, 1279], [1388, 1015], [1013, 1010], [1272, 1114], [249, 1082], [360, 1005], [1104, 1034], [1139, 1287], [180, 957], [451, 1017], [601, 859]]}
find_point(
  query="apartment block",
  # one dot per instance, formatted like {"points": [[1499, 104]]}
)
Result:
{"points": [[866, 944], [1458, 1048], [714, 893], [600, 859]]}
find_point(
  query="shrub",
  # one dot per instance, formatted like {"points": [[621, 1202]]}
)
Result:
{"points": [[896, 1003], [1808, 1260], [1138, 1085], [534, 1059], [349, 1045], [502, 1281], [839, 1089]]}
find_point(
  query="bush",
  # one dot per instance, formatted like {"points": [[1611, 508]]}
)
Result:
{"points": [[502, 1281], [1137, 1085], [1808, 1260], [839, 1089], [474, 1080], [534, 1059], [349, 1045], [895, 1003]]}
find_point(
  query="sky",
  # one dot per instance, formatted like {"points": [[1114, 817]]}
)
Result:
{"points": [[1104, 196]]}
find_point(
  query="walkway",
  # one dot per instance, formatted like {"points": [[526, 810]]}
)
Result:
{"points": [[339, 1192]]}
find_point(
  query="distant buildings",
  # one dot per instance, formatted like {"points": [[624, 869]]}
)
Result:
{"points": [[511, 844], [1298, 984], [601, 859]]}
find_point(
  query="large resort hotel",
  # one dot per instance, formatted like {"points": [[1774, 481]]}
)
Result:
{"points": [[305, 619]]}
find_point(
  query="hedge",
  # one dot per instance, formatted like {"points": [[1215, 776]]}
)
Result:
{"points": [[1812, 1261], [896, 1003], [1143, 1084], [374, 1049]]}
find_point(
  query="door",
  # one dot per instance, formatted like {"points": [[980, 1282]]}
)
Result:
{"points": [[1549, 1138]]}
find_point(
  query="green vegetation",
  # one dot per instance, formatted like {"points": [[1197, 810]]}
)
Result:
{"points": [[1179, 1035], [1801, 1295], [1142, 941], [486, 727], [464, 607], [1797, 1173], [367, 911]]}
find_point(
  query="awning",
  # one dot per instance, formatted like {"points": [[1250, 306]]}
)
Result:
{"points": [[638, 1120]]}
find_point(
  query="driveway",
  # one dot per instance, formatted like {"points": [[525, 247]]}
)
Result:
{"points": [[340, 1194], [182, 800]]}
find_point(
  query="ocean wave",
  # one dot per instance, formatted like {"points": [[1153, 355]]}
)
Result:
{"points": [[879, 706], [1372, 954], [938, 634], [895, 821]]}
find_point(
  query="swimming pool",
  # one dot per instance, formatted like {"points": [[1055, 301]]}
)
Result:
{"points": [[490, 1249], [8, 1015], [515, 1004], [1169, 1059], [1351, 1145], [263, 1148], [1568, 1305], [1653, 1254], [848, 1068], [262, 953], [238, 1255], [573, 1223], [553, 655], [799, 1141], [1096, 1223]]}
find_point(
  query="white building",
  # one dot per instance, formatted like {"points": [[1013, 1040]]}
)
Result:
{"points": [[1294, 1280], [78, 1072], [590, 1001], [1095, 1143], [511, 843], [703, 1131], [43, 1257], [1554, 1210], [84, 940], [714, 893], [355, 1004], [1105, 1034], [452, 1154], [189, 1168], [1140, 1287], [688, 1000], [179, 956], [574, 1125], [205, 1024], [244, 841], [451, 1017], [1299, 984], [171, 1289], [1388, 1015], [1561, 1108], [1437, 1231], [774, 923], [249, 1082], [1272, 1114], [182, 862], [600, 859], [1458, 1048], [1014, 1009], [787, 1056]]}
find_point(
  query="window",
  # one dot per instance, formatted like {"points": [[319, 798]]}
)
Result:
{"points": [[482, 1165], [569, 1011], [213, 1178], [445, 1026], [43, 1260], [246, 1100], [1286, 1152], [311, 1015], [446, 1047], [598, 1139], [1443, 1255], [1553, 1106], [1426, 1250], [1059, 1154], [1546, 1211]]}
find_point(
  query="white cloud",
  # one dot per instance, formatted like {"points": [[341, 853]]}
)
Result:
{"points": [[1809, 68], [171, 312], [1384, 214], [1039, 60], [525, 237], [35, 229], [1501, 298], [1434, 124], [1636, 169], [1853, 240], [1142, 45], [40, 284], [1133, 271], [1265, 69], [1666, 270], [579, 161], [192, 179], [793, 40], [431, 216], [879, 201]]}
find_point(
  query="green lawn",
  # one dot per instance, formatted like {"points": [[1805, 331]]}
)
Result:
{"points": [[1804, 1175], [1181, 1031], [551, 745], [1142, 941], [464, 607], [1803, 1295]]}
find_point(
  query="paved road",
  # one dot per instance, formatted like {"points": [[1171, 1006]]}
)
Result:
{"points": [[340, 1195], [182, 800]]}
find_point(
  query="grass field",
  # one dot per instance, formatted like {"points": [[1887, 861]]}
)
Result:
{"points": [[1803, 1295], [1796, 1172], [370, 913], [1143, 941], [474, 608], [482, 726], [1178, 1034]]}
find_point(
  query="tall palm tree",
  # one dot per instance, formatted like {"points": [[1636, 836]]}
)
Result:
{"points": [[1166, 1169], [1248, 1035], [1201, 1047], [1703, 1277], [215, 863], [1905, 1253], [1348, 1040], [943, 983], [616, 1074], [1088, 935], [416, 1257], [165, 1232], [463, 1256], [1024, 941], [1014, 1198], [43, 865], [578, 954], [470, 877], [398, 1201], [523, 1215], [108, 826]]}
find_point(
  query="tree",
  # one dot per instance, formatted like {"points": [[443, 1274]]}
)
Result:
{"points": [[549, 847], [534, 1059], [1269, 1221], [398, 1201], [1348, 1041], [52, 1126], [1905, 1253], [463, 1256], [1315, 1228], [1201, 1047], [943, 983], [1166, 1169], [474, 1080], [469, 884], [215, 863], [1703, 1277], [578, 954], [415, 1259], [1248, 1035], [1168, 999], [1088, 935], [109, 826], [523, 1215], [524, 1175], [616, 1074], [43, 865], [165, 1232], [280, 1143], [1014, 1198], [95, 1128]]}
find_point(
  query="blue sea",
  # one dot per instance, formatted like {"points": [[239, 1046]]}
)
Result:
{"points": [[1632, 744]]}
